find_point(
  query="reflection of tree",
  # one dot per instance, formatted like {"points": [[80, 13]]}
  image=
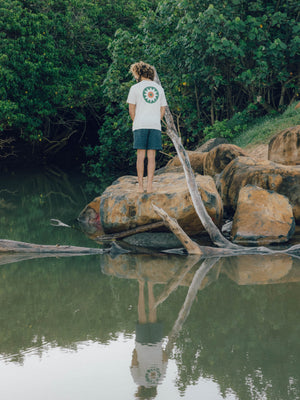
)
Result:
{"points": [[245, 338], [61, 302], [29, 200], [247, 341]]}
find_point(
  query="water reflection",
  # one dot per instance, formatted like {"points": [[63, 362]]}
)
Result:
{"points": [[232, 326], [149, 359], [232, 320]]}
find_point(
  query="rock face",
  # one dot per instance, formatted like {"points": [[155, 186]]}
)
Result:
{"points": [[212, 162], [266, 174], [219, 157], [262, 217], [210, 144], [89, 219], [157, 240], [284, 148], [122, 208], [196, 160]]}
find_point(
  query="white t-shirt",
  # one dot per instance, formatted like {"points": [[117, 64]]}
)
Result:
{"points": [[148, 97], [151, 368]]}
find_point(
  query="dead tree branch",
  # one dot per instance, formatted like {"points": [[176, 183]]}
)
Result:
{"points": [[214, 233]]}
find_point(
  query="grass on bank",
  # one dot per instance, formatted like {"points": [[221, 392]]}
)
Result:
{"points": [[261, 131]]}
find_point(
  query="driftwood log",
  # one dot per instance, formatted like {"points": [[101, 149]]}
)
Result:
{"points": [[11, 246]]}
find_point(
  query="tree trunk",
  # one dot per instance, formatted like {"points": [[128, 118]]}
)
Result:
{"points": [[214, 233]]}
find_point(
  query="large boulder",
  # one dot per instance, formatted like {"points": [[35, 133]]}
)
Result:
{"points": [[262, 217], [123, 208], [266, 174], [210, 144], [196, 160], [209, 163], [284, 148], [155, 240], [219, 157]]}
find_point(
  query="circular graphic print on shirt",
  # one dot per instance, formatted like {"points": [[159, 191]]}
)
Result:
{"points": [[153, 375], [150, 94]]}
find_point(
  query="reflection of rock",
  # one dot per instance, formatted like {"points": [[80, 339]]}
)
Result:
{"points": [[258, 269], [156, 269], [262, 217], [284, 148], [244, 269], [123, 208], [268, 175]]}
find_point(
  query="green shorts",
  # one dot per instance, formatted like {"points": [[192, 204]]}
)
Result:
{"points": [[149, 333], [147, 139]]}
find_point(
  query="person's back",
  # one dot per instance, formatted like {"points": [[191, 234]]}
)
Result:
{"points": [[147, 104], [147, 95]]}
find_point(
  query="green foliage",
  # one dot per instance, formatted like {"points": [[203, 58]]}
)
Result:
{"points": [[53, 59], [221, 67], [43, 72], [234, 127], [262, 129], [219, 129], [64, 69]]}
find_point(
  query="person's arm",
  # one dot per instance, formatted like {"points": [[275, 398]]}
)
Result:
{"points": [[132, 111], [134, 361], [162, 112]]}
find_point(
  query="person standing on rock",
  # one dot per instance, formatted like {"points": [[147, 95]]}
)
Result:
{"points": [[147, 105]]}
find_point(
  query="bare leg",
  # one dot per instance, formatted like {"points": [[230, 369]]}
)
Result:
{"points": [[151, 304], [140, 168], [150, 169], [141, 304]]}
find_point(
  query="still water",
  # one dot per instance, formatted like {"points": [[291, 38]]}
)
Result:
{"points": [[137, 326]]}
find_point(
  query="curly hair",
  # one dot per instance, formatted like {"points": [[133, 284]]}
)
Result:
{"points": [[142, 69]]}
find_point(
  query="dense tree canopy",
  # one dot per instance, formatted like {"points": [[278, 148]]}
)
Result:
{"points": [[64, 69], [53, 59]]}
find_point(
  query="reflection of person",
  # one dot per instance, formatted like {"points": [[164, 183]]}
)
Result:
{"points": [[147, 105], [149, 360]]}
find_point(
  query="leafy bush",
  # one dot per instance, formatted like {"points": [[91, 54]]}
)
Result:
{"points": [[54, 58]]}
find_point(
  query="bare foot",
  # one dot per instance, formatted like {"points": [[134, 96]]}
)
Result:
{"points": [[140, 190], [149, 190]]}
